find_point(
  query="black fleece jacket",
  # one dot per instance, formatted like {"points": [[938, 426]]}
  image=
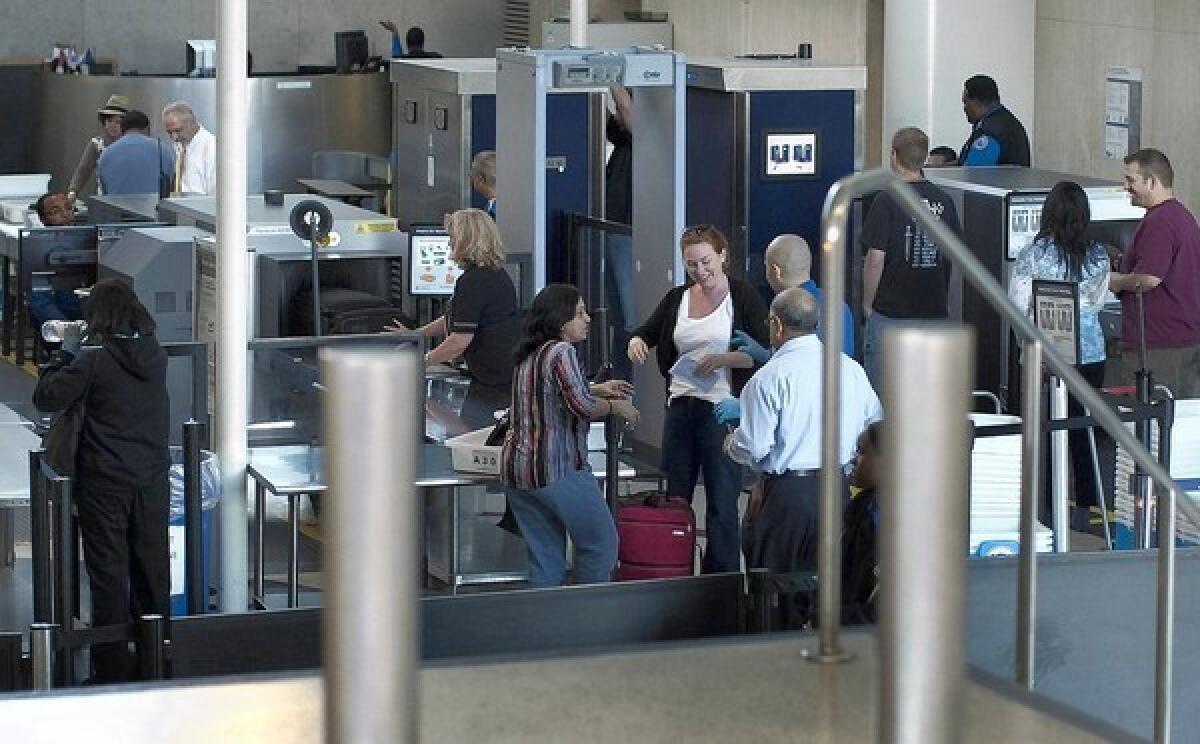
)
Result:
{"points": [[749, 315], [127, 413]]}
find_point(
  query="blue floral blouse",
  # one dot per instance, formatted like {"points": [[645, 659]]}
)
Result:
{"points": [[1042, 259]]}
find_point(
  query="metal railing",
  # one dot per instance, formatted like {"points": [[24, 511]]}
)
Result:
{"points": [[834, 223]]}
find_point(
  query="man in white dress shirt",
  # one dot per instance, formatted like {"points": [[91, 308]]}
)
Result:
{"points": [[779, 435], [195, 150]]}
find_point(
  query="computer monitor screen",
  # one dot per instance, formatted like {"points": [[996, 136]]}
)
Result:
{"points": [[431, 269], [350, 50]]}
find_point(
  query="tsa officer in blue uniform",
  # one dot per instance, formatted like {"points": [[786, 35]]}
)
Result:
{"points": [[997, 137]]}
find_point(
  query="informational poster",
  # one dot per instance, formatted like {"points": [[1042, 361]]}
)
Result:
{"points": [[1122, 111], [791, 154], [1056, 314], [434, 272]]}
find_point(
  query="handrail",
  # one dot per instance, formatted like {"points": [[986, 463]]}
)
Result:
{"points": [[834, 223]]}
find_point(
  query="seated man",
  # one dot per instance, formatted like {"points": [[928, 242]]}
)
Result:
{"points": [[779, 437], [57, 301]]}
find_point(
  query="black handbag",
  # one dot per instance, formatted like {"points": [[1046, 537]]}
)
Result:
{"points": [[61, 442]]}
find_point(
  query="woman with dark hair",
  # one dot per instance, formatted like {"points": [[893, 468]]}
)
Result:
{"points": [[121, 488], [691, 328], [544, 462], [1063, 251]]}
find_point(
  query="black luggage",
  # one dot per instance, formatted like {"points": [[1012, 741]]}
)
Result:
{"points": [[342, 311]]}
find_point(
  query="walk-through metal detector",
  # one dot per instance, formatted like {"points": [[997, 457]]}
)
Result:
{"points": [[525, 78]]}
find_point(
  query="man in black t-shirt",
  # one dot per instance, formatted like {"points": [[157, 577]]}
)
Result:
{"points": [[905, 275], [618, 249]]}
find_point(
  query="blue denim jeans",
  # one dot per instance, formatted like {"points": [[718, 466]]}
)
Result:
{"points": [[572, 505], [53, 304], [692, 442], [873, 347], [618, 291]]}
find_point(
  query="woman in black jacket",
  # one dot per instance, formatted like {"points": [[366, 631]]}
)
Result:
{"points": [[691, 328], [121, 488]]}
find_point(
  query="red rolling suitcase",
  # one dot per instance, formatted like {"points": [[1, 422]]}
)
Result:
{"points": [[657, 537]]}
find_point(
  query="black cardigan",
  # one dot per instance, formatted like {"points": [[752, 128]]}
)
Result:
{"points": [[749, 315]]}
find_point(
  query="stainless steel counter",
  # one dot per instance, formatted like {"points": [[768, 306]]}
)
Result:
{"points": [[753, 690]]}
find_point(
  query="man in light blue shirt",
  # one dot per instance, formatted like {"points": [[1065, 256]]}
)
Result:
{"points": [[788, 263], [779, 435], [136, 163]]}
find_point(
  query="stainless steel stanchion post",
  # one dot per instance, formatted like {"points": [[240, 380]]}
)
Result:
{"points": [[41, 651], [1058, 468], [1164, 641], [830, 486], [372, 625], [923, 526], [1031, 465]]}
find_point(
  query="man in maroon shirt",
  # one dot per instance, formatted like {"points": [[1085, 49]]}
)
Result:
{"points": [[1163, 262]]}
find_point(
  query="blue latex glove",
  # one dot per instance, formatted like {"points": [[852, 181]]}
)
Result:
{"points": [[728, 411], [746, 344]]}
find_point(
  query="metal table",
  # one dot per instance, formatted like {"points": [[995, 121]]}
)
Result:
{"points": [[17, 438], [295, 470], [335, 189]]}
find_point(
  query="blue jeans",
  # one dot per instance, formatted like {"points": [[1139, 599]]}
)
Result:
{"points": [[692, 442], [53, 304], [873, 347], [618, 291], [570, 505]]}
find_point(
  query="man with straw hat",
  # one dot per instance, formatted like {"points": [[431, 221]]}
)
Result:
{"points": [[109, 115]]}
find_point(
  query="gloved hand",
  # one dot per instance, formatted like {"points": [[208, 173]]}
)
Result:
{"points": [[72, 338], [746, 344], [728, 411]]}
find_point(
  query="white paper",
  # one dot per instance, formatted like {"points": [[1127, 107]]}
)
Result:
{"points": [[685, 367]]}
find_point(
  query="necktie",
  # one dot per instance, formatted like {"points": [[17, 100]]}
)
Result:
{"points": [[180, 156]]}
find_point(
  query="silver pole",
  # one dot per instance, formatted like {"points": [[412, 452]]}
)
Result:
{"points": [[1031, 445], [829, 536], [232, 300], [923, 525], [1058, 468], [372, 625], [41, 651], [579, 23], [1164, 641]]}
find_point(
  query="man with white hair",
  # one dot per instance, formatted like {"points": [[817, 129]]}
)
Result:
{"points": [[483, 178], [195, 150], [779, 435]]}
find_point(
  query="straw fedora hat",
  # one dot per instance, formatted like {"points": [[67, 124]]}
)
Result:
{"points": [[116, 105]]}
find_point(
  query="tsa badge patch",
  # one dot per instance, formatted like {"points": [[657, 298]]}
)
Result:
{"points": [[982, 142]]}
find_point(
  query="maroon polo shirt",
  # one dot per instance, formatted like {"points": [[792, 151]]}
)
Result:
{"points": [[1166, 245]]}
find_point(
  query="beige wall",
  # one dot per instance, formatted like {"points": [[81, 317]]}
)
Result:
{"points": [[149, 36], [1076, 41], [837, 29]]}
